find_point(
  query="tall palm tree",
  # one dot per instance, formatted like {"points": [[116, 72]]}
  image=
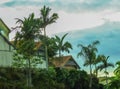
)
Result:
{"points": [[88, 52], [46, 19], [61, 45], [105, 65], [27, 32], [96, 61]]}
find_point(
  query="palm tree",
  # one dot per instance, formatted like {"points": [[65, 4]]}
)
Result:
{"points": [[117, 70], [61, 45], [27, 32], [88, 52], [95, 62], [105, 65], [45, 21], [114, 83]]}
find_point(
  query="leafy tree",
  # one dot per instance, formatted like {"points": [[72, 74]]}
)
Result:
{"points": [[88, 52], [46, 19], [105, 65], [27, 32], [19, 61], [61, 45]]}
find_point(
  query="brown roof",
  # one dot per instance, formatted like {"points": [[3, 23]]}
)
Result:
{"points": [[62, 61], [37, 44]]}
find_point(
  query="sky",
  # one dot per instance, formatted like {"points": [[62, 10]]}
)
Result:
{"points": [[84, 20]]}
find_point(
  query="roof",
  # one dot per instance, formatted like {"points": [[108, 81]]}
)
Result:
{"points": [[64, 60], [5, 25], [37, 45]]}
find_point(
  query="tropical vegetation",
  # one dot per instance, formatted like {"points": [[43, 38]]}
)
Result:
{"points": [[32, 47], [88, 52]]}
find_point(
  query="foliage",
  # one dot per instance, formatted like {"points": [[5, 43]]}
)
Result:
{"points": [[51, 46], [97, 61], [44, 79], [114, 83], [105, 64], [11, 78], [19, 61], [77, 80], [89, 54], [46, 19], [61, 45], [14, 78], [25, 41], [117, 70], [26, 35]]}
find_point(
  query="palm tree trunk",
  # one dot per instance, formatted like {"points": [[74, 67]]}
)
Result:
{"points": [[29, 79], [96, 72], [44, 29], [59, 53], [46, 57], [60, 57], [46, 52], [106, 76], [90, 85]]}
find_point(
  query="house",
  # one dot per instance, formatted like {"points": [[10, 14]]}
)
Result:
{"points": [[67, 62], [6, 48]]}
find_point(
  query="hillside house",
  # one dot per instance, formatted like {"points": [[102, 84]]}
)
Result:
{"points": [[67, 62], [6, 48]]}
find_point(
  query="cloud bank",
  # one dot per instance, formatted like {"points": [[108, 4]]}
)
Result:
{"points": [[67, 5]]}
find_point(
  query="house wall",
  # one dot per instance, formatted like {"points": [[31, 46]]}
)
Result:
{"points": [[5, 53], [4, 29], [70, 67], [42, 65], [5, 58], [4, 33], [4, 45]]}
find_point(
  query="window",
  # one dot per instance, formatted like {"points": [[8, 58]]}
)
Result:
{"points": [[2, 32]]}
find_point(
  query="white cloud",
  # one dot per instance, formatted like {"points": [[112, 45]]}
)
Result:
{"points": [[102, 74], [8, 15], [73, 21], [67, 21], [83, 20], [114, 17], [52, 0], [4, 1]]}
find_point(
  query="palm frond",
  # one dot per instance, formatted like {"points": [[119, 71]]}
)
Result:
{"points": [[63, 37], [95, 43]]}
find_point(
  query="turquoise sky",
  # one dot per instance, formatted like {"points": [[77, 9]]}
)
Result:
{"points": [[84, 20]]}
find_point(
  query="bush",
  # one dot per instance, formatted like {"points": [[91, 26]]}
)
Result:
{"points": [[58, 78]]}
